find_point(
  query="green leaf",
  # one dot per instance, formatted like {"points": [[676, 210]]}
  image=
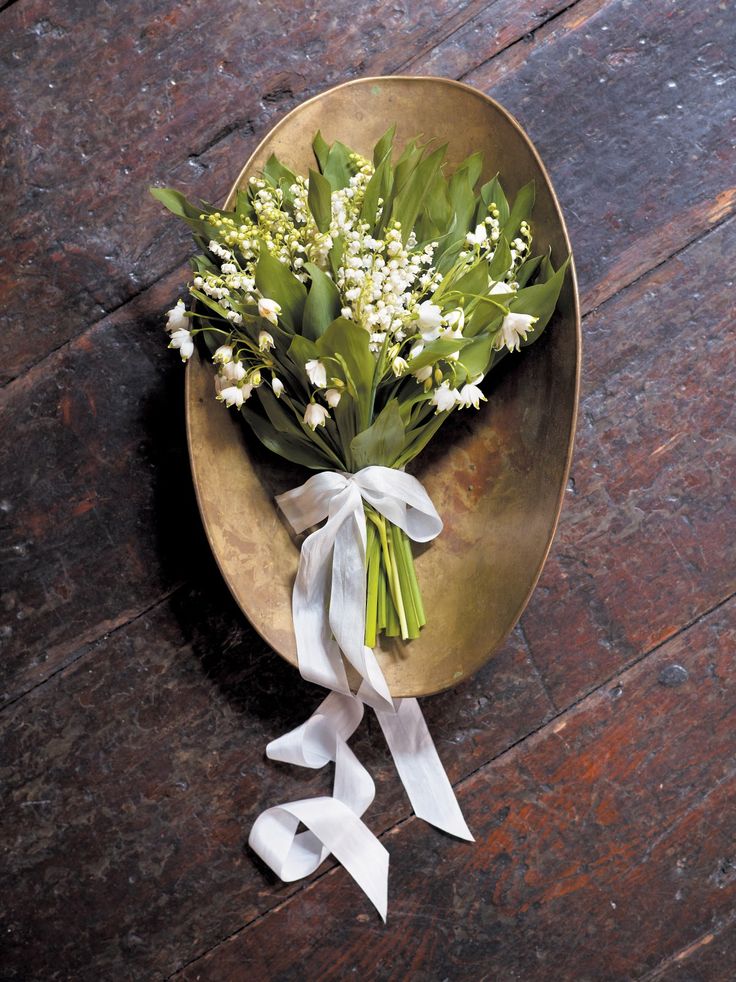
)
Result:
{"points": [[420, 438], [384, 146], [323, 303], [290, 446], [321, 150], [243, 205], [377, 187], [540, 301], [522, 210], [334, 256], [349, 341], [475, 281], [485, 317], [527, 270], [337, 167], [501, 262], [436, 350], [276, 282], [275, 172], [492, 193], [409, 200], [302, 350], [472, 165], [382, 442], [477, 356], [319, 199]]}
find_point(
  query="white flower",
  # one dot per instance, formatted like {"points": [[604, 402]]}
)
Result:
{"points": [[182, 340], [399, 366], [223, 355], [317, 373], [416, 350], [514, 327], [315, 415], [430, 319], [229, 268], [478, 237], [333, 397], [422, 374], [445, 398], [265, 341], [233, 371], [500, 288], [176, 319], [232, 395], [278, 387], [269, 309], [471, 395], [456, 321]]}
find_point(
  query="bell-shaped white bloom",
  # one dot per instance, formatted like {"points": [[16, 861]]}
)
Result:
{"points": [[430, 320], [333, 397], [445, 398], [223, 355], [269, 309], [399, 366], [501, 287], [456, 321], [176, 319], [278, 387], [478, 237], [513, 328], [422, 374], [182, 340], [471, 395], [232, 395], [315, 415], [265, 341], [233, 371], [229, 268], [317, 373]]}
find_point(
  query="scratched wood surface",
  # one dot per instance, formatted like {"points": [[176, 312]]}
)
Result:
{"points": [[594, 754]]}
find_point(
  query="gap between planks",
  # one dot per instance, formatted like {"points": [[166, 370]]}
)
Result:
{"points": [[549, 724]]}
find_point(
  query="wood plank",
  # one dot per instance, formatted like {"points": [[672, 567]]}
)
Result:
{"points": [[222, 122], [181, 99], [648, 540], [709, 958], [132, 778], [601, 843]]}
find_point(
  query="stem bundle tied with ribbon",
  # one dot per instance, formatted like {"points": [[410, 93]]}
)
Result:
{"points": [[349, 313], [328, 608]]}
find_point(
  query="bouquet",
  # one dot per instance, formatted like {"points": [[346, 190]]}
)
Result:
{"points": [[348, 313]]}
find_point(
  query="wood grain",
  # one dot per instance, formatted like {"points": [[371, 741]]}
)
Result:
{"points": [[601, 842], [132, 779], [138, 701]]}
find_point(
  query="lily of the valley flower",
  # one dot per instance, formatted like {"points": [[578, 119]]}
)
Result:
{"points": [[233, 371], [445, 398], [278, 387], [513, 328], [269, 309], [223, 355], [471, 395], [315, 415], [182, 339], [317, 373], [176, 320], [265, 340], [456, 321], [333, 397], [500, 287], [399, 366], [235, 395], [422, 374], [430, 320], [478, 237]]}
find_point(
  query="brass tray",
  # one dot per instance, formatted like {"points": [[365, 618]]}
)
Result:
{"points": [[497, 477]]}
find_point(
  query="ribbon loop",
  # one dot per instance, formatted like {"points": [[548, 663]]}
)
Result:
{"points": [[328, 608]]}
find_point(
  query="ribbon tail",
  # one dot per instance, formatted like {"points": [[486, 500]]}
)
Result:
{"points": [[420, 768]]}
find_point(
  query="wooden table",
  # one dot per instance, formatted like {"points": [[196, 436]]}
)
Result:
{"points": [[594, 756]]}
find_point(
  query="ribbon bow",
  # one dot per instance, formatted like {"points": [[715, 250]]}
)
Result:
{"points": [[328, 608]]}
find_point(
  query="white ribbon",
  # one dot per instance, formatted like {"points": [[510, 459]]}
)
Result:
{"points": [[328, 607]]}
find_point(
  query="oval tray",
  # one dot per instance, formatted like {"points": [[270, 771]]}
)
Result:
{"points": [[497, 477]]}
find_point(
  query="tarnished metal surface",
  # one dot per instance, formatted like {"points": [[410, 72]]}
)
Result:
{"points": [[496, 477]]}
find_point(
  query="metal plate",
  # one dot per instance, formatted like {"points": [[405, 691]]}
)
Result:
{"points": [[497, 477]]}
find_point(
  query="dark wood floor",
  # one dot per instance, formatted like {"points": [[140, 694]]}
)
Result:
{"points": [[595, 755]]}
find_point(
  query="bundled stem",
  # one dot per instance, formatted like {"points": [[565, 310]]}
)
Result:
{"points": [[393, 600]]}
